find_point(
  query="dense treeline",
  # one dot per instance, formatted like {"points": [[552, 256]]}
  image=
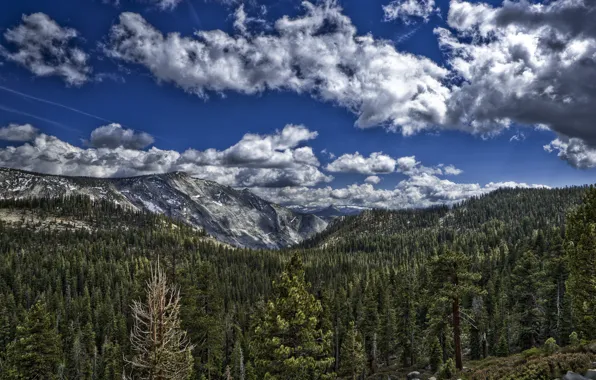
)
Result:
{"points": [[374, 293]]}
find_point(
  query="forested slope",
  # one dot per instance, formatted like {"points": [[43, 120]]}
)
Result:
{"points": [[381, 284]]}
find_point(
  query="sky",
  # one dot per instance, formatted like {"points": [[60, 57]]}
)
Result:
{"points": [[380, 103]]}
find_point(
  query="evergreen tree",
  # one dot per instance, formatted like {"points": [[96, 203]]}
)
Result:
{"points": [[287, 344], [161, 348], [581, 259], [352, 359], [238, 369], [453, 280], [436, 355], [35, 352], [526, 283]]}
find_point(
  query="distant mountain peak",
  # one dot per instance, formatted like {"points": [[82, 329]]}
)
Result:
{"points": [[237, 217]]}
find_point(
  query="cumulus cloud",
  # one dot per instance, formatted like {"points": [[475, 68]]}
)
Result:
{"points": [[409, 10], [275, 160], [575, 151], [47, 49], [376, 163], [420, 190], [373, 179], [114, 136], [319, 53], [524, 62], [18, 132]]}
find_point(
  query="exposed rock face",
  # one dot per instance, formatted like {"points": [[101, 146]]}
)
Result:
{"points": [[236, 217]]}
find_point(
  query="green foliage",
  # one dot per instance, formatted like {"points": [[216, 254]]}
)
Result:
{"points": [[447, 370], [535, 368], [353, 358], [581, 258], [35, 352], [372, 269], [550, 346], [436, 355], [503, 346], [288, 343], [574, 339]]}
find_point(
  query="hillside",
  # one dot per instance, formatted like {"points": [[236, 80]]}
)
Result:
{"points": [[498, 212], [87, 260], [235, 217]]}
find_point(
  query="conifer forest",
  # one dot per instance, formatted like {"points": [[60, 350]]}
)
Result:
{"points": [[501, 286]]}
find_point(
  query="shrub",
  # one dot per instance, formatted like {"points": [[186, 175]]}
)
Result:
{"points": [[447, 370], [550, 346], [574, 339]]}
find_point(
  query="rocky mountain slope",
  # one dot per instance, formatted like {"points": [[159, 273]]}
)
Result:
{"points": [[331, 212], [236, 217]]}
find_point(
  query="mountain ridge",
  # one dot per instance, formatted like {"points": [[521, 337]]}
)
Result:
{"points": [[236, 217]]}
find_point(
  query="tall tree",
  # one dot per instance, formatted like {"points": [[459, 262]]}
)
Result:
{"points": [[581, 259], [453, 280], [353, 358], [526, 285], [36, 351], [287, 343], [162, 350]]}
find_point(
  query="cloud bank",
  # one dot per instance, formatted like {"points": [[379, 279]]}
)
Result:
{"points": [[277, 166]]}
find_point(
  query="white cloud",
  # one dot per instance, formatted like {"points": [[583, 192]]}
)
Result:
{"points": [[319, 53], [574, 151], [524, 62], [46, 49], [452, 170], [18, 132], [420, 190], [407, 10], [519, 136], [114, 136], [274, 160], [166, 5], [373, 179], [376, 163]]}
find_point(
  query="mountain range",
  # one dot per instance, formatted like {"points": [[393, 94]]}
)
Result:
{"points": [[236, 217]]}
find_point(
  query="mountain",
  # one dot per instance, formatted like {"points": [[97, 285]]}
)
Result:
{"points": [[504, 210], [236, 217], [331, 212]]}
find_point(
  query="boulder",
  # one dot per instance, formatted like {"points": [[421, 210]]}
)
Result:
{"points": [[591, 374], [573, 376], [413, 375], [432, 378]]}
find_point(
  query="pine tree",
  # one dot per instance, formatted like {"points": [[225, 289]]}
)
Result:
{"points": [[161, 348], [526, 283], [352, 356], [436, 355], [453, 280], [36, 351], [238, 370], [287, 344], [581, 260]]}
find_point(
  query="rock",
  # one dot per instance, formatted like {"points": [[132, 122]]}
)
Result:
{"points": [[432, 378], [591, 374], [573, 376], [413, 375]]}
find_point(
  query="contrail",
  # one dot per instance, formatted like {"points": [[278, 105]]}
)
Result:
{"points": [[60, 125], [54, 104]]}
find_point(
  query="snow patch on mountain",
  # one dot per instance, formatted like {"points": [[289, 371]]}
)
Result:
{"points": [[236, 217]]}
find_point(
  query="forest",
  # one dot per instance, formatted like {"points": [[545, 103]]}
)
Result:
{"points": [[498, 287]]}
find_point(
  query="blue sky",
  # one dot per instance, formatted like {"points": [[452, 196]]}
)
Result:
{"points": [[141, 95]]}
